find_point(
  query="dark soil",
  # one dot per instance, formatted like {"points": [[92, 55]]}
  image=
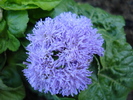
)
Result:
{"points": [[118, 7]]}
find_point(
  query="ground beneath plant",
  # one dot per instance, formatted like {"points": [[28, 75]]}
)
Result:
{"points": [[118, 7]]}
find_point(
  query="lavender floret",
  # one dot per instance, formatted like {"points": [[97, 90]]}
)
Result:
{"points": [[59, 53]]}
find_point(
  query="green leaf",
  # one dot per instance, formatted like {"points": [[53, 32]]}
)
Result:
{"points": [[3, 44], [7, 40], [114, 80], [17, 22], [67, 98], [43, 4], [1, 15], [3, 59], [12, 87], [30, 4], [3, 36], [12, 43], [65, 6], [8, 93], [16, 58], [2, 26], [41, 14], [10, 72], [10, 76], [48, 96]]}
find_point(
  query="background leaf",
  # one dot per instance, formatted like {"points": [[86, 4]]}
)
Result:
{"points": [[48, 96], [10, 76], [3, 27], [17, 22], [30, 4], [11, 86], [3, 59], [3, 36], [3, 44], [1, 14], [65, 6], [17, 57], [67, 98], [7, 40], [114, 80], [12, 43], [8, 93]]}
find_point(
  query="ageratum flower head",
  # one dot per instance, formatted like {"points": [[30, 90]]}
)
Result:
{"points": [[60, 52]]}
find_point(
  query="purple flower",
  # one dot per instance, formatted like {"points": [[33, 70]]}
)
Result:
{"points": [[60, 51]]}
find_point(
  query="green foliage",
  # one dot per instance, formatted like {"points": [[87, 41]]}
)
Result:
{"points": [[114, 78], [1, 15], [17, 22], [3, 59], [7, 93], [67, 99], [112, 74], [8, 41], [65, 6], [12, 43], [51, 97], [11, 85], [28, 4], [12, 26]]}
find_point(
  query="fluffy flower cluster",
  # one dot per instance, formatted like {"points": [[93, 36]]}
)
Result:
{"points": [[60, 52]]}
